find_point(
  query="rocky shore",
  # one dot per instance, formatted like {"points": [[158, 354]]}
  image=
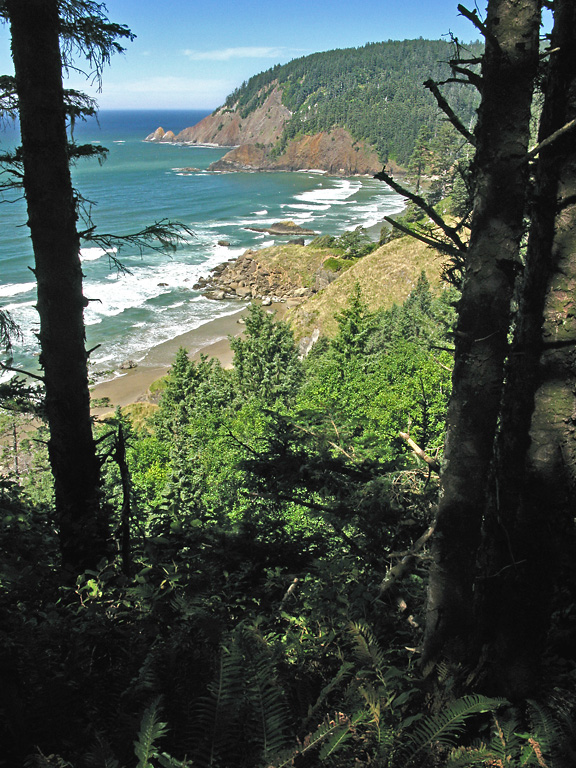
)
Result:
{"points": [[266, 276]]}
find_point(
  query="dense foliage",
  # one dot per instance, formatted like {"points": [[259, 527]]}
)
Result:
{"points": [[374, 91], [265, 506]]}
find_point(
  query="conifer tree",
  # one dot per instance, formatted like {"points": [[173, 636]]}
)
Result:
{"points": [[45, 35]]}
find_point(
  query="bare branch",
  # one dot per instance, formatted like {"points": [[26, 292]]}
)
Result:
{"points": [[432, 463], [552, 138], [449, 112], [471, 77], [450, 232], [475, 19], [404, 567], [428, 240], [10, 368]]}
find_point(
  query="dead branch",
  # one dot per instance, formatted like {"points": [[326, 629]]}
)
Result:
{"points": [[475, 19], [432, 242], [450, 232], [404, 567], [432, 463], [449, 112], [552, 138], [290, 591], [471, 77], [11, 368]]}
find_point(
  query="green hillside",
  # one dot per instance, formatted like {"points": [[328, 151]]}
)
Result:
{"points": [[375, 92]]}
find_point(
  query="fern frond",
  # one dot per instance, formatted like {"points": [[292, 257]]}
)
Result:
{"points": [[267, 701], [444, 727], [367, 649], [151, 730], [468, 757], [40, 760], [100, 756], [344, 672], [546, 729], [310, 742], [170, 762], [339, 737], [216, 716]]}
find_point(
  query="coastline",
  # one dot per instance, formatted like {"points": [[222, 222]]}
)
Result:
{"points": [[132, 386], [212, 339]]}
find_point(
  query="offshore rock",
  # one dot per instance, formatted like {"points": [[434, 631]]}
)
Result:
{"points": [[288, 228]]}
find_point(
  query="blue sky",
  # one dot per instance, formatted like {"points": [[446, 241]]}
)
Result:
{"points": [[191, 55]]}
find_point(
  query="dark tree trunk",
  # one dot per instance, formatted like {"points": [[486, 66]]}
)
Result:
{"points": [[52, 221], [502, 133], [531, 518]]}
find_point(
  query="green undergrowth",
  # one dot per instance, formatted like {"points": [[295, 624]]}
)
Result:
{"points": [[245, 616]]}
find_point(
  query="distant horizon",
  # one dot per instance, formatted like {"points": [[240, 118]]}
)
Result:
{"points": [[194, 55]]}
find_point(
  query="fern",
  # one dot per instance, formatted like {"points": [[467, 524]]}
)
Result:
{"points": [[446, 726], [340, 736], [217, 717], [170, 762], [342, 674], [547, 731], [267, 702], [100, 756], [311, 741], [151, 730], [468, 757], [367, 649]]}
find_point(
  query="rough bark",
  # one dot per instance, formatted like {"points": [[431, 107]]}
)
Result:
{"points": [[52, 222], [501, 137], [529, 520]]}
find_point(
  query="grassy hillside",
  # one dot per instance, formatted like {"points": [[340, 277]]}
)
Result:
{"points": [[386, 277]]}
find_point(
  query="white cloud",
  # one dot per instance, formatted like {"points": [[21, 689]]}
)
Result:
{"points": [[226, 54], [165, 92]]}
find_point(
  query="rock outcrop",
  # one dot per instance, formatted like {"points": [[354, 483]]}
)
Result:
{"points": [[254, 136], [227, 128], [284, 229], [277, 274], [335, 152]]}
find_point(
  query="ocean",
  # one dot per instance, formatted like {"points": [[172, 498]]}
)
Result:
{"points": [[142, 182]]}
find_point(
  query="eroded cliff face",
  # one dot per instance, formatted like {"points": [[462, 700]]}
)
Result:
{"points": [[335, 152], [253, 137], [228, 128]]}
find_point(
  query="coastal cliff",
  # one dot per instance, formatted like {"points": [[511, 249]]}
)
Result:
{"points": [[227, 128], [334, 152], [254, 137], [345, 112]]}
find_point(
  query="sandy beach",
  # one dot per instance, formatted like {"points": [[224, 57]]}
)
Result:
{"points": [[210, 339]]}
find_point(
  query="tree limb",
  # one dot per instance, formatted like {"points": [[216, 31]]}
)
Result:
{"points": [[450, 232], [449, 112], [552, 138], [471, 77], [475, 19], [432, 463], [404, 567], [432, 242], [11, 368]]}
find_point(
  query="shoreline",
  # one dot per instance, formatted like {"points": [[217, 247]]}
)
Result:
{"points": [[211, 339], [132, 386]]}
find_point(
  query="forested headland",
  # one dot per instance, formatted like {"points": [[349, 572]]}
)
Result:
{"points": [[373, 93], [359, 555]]}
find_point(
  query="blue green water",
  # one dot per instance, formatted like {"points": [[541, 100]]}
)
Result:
{"points": [[141, 182]]}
